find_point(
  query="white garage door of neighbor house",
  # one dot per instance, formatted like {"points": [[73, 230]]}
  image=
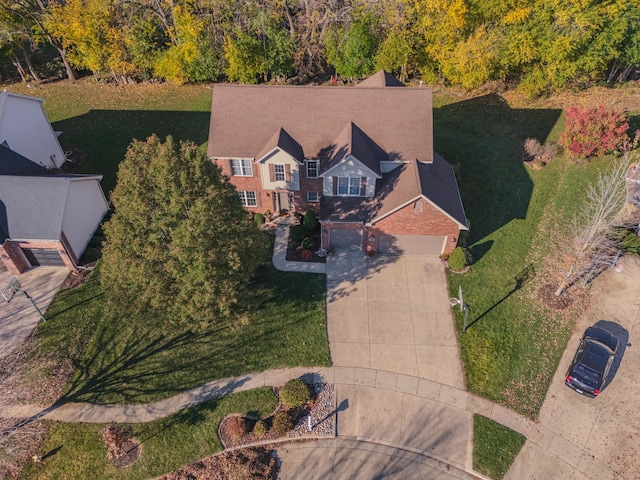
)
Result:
{"points": [[416, 244], [344, 238]]}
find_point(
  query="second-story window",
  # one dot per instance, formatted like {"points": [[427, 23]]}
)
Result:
{"points": [[312, 169], [349, 186], [241, 168], [278, 172]]}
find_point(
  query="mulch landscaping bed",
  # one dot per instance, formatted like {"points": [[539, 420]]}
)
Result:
{"points": [[75, 279], [294, 250], [245, 463], [547, 295], [321, 411]]}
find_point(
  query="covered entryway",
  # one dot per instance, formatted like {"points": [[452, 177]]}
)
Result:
{"points": [[43, 257], [345, 238], [284, 201], [410, 244]]}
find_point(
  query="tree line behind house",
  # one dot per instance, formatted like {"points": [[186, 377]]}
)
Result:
{"points": [[538, 46]]}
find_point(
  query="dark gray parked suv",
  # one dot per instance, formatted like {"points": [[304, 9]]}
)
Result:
{"points": [[592, 361]]}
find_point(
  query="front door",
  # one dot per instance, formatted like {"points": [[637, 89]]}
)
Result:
{"points": [[283, 201]]}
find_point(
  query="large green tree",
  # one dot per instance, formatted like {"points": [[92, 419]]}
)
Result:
{"points": [[179, 244]]}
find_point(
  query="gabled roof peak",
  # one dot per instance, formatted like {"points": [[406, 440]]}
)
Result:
{"points": [[381, 79], [285, 142]]}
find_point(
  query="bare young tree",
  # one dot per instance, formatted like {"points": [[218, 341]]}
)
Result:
{"points": [[593, 248], [19, 437]]}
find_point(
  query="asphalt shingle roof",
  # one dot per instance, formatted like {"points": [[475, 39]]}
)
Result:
{"points": [[12, 163], [245, 117]]}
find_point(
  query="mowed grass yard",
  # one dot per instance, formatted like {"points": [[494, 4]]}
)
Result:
{"points": [[518, 217]]}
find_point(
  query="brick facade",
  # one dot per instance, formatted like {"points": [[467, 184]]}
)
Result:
{"points": [[418, 218], [265, 199], [16, 261]]}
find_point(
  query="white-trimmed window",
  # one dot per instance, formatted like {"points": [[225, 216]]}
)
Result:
{"points": [[312, 169], [313, 196], [349, 186], [241, 168], [248, 198], [278, 172]]}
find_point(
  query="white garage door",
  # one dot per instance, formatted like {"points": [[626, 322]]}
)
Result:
{"points": [[417, 244]]}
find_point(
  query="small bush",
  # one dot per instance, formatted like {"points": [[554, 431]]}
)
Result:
{"points": [[260, 428], [310, 221], [297, 233], [593, 132], [457, 259], [258, 218], [295, 393], [306, 254], [308, 242], [282, 423], [237, 428]]}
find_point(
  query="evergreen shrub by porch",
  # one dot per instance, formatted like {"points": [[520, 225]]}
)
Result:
{"points": [[282, 423], [310, 221], [258, 218], [297, 233], [457, 259], [295, 393], [309, 243]]}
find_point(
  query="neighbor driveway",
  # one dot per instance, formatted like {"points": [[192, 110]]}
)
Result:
{"points": [[19, 318], [600, 436]]}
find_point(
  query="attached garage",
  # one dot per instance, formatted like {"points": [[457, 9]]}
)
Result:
{"points": [[411, 244], [342, 239], [44, 257]]}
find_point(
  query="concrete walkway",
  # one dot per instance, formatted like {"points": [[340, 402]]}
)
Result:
{"points": [[279, 257], [433, 418]]}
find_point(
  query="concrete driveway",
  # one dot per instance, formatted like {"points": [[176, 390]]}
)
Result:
{"points": [[392, 313], [19, 318], [600, 437]]}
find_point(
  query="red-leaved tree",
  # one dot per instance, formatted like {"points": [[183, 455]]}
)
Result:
{"points": [[593, 132]]}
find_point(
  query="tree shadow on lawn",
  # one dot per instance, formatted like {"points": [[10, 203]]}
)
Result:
{"points": [[134, 360], [484, 139], [106, 134]]}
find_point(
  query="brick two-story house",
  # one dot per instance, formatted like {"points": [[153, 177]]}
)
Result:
{"points": [[362, 157]]}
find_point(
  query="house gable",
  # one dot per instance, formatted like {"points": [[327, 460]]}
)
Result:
{"points": [[26, 130]]}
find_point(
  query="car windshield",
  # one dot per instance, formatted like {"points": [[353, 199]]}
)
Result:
{"points": [[586, 375]]}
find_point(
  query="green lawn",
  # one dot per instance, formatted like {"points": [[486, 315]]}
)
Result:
{"points": [[139, 359], [513, 344], [494, 447], [102, 120], [76, 450]]}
